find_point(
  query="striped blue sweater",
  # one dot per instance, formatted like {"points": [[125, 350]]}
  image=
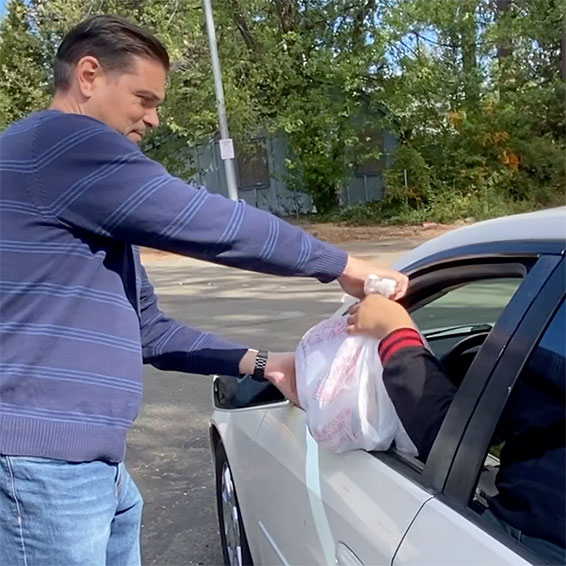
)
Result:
{"points": [[78, 316]]}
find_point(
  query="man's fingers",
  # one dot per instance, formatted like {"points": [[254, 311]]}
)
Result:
{"points": [[405, 285], [402, 286]]}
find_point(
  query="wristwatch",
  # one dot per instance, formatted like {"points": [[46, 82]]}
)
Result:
{"points": [[259, 366]]}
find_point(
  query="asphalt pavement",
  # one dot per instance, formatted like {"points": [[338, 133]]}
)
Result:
{"points": [[168, 448]]}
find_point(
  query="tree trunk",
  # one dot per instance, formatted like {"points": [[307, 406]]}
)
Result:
{"points": [[242, 25], [287, 13], [469, 56], [504, 49], [358, 28], [563, 49]]}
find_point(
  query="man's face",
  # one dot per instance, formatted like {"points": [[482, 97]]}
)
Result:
{"points": [[128, 101]]}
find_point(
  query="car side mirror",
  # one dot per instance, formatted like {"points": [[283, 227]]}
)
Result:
{"points": [[243, 392]]}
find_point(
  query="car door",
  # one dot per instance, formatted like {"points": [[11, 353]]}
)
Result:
{"points": [[355, 508], [329, 508], [456, 526]]}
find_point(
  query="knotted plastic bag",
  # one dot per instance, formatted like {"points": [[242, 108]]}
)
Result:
{"points": [[340, 386]]}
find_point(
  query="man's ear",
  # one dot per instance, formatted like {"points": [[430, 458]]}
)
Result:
{"points": [[87, 71]]}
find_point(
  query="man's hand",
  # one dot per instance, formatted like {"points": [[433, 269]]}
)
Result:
{"points": [[377, 316], [357, 270], [280, 370]]}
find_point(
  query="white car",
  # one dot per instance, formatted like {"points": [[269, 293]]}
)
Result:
{"points": [[485, 296]]}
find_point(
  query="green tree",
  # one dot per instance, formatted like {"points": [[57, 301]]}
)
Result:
{"points": [[479, 98], [23, 67], [473, 89]]}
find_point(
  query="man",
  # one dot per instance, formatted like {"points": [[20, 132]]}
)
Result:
{"points": [[530, 501], [78, 314]]}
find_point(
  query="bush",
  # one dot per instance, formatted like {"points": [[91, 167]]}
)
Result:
{"points": [[441, 210]]}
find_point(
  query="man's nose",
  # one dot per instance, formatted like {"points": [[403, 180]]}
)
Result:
{"points": [[151, 118]]}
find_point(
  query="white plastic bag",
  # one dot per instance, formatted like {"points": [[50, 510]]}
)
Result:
{"points": [[340, 386]]}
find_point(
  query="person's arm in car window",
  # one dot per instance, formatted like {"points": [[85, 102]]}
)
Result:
{"points": [[414, 379], [417, 386]]}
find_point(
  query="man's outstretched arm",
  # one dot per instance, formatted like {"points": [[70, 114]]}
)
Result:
{"points": [[106, 186], [170, 345]]}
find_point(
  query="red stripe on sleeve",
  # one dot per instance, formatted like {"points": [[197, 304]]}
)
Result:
{"points": [[397, 340]]}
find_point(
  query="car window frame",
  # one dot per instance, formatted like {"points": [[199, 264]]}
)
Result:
{"points": [[433, 475], [469, 458]]}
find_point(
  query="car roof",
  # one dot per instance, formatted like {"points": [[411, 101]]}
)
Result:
{"points": [[543, 225]]}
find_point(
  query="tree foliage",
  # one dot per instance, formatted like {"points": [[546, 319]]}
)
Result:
{"points": [[489, 122], [474, 90], [23, 66]]}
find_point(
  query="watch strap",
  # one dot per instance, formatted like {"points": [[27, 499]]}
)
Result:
{"points": [[259, 366]]}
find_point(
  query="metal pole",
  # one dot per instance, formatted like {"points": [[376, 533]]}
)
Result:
{"points": [[226, 145]]}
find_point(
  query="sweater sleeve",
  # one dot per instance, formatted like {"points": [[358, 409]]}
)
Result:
{"points": [[417, 385], [91, 178], [170, 345]]}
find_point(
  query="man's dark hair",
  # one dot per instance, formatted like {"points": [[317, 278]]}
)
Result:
{"points": [[112, 40]]}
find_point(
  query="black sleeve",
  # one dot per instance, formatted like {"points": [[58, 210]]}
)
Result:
{"points": [[421, 393]]}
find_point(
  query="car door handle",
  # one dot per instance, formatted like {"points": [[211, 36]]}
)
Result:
{"points": [[346, 557]]}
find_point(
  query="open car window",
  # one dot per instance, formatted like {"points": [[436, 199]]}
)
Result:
{"points": [[469, 309], [471, 303], [456, 308]]}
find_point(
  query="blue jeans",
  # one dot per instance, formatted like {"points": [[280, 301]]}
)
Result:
{"points": [[61, 513], [545, 549]]}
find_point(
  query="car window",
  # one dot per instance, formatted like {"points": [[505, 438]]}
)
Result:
{"points": [[466, 312], [472, 303], [470, 308], [521, 488]]}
